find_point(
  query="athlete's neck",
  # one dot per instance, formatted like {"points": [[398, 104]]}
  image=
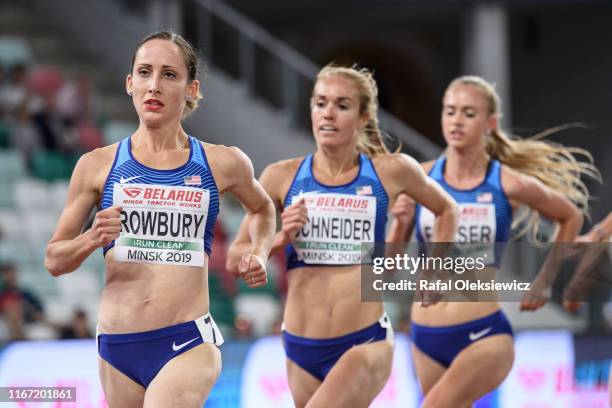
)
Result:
{"points": [[334, 163], [465, 165], [167, 137]]}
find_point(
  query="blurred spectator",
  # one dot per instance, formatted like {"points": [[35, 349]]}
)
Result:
{"points": [[78, 327], [76, 101], [14, 93], [49, 125], [17, 305], [76, 104], [3, 85], [45, 84], [16, 102], [46, 81]]}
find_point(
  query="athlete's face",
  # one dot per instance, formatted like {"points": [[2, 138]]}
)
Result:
{"points": [[159, 83], [466, 120], [336, 120]]}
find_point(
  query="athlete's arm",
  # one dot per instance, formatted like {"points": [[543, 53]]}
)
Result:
{"points": [[599, 233], [526, 190], [70, 246], [403, 212], [250, 259], [408, 176], [293, 217]]}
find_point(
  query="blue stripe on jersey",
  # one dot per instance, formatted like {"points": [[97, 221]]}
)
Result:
{"points": [[490, 185], [304, 181], [125, 165]]}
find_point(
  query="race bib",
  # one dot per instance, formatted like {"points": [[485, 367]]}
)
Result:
{"points": [[161, 224], [337, 225], [477, 225]]}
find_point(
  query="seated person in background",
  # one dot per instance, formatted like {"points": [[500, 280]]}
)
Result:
{"points": [[17, 305]]}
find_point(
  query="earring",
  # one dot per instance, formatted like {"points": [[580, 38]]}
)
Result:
{"points": [[130, 92], [189, 98]]}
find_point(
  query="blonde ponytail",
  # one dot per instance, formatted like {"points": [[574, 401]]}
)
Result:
{"points": [[559, 167]]}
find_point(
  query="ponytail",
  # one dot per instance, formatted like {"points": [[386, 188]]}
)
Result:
{"points": [[558, 167]]}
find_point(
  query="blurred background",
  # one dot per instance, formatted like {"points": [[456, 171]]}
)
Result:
{"points": [[62, 92]]}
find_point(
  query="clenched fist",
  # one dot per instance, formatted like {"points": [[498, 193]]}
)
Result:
{"points": [[293, 219], [106, 226], [252, 268]]}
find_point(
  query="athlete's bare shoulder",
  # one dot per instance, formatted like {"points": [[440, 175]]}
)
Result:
{"points": [[513, 180], [228, 164], [277, 177], [395, 164], [95, 165], [427, 166], [213, 147], [102, 153], [399, 172], [224, 156], [283, 168]]}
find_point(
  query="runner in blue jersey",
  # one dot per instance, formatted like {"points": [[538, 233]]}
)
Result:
{"points": [[158, 194], [464, 350], [339, 349]]}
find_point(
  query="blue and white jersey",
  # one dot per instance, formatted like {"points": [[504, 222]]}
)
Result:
{"points": [[167, 216], [485, 211], [340, 217]]}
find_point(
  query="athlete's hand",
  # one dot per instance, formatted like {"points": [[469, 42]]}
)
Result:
{"points": [[535, 298], [429, 295], [293, 219], [106, 226], [572, 306], [403, 209], [252, 268], [426, 298]]}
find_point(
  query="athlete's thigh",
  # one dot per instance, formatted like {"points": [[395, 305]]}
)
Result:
{"points": [[428, 370], [120, 391], [357, 378], [301, 383], [186, 380], [477, 370]]}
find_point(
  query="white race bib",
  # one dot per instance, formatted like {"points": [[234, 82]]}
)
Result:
{"points": [[477, 225], [161, 224], [337, 225]]}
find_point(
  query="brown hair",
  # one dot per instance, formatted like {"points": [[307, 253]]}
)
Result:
{"points": [[189, 57], [371, 140], [555, 165]]}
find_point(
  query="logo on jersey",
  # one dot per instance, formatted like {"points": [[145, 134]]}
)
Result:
{"points": [[125, 180], [308, 196], [132, 191]]}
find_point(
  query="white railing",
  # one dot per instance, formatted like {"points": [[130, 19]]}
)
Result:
{"points": [[270, 69]]}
